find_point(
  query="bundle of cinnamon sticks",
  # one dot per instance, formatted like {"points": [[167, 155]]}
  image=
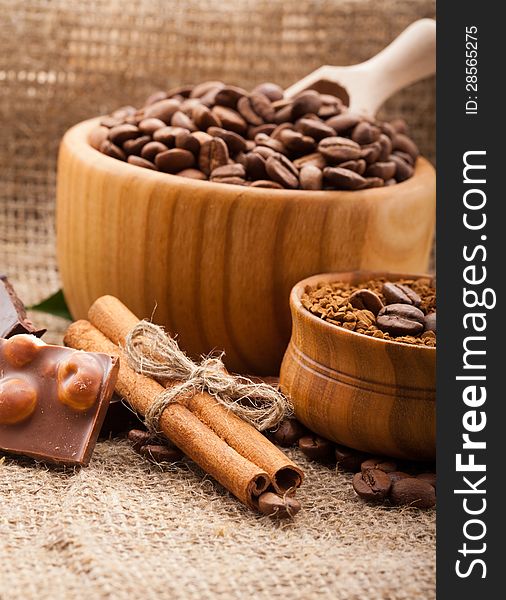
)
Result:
{"points": [[231, 450]]}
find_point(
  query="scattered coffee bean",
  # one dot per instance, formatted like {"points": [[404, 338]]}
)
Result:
{"points": [[317, 448], [387, 466], [401, 319], [366, 300], [397, 475], [413, 492], [139, 438], [289, 432], [348, 459], [161, 453], [429, 477], [372, 484], [282, 507]]}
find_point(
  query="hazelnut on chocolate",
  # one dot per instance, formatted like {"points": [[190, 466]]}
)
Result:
{"points": [[79, 378], [18, 400], [21, 349]]}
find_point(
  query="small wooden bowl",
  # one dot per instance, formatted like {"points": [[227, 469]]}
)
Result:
{"points": [[370, 394], [218, 261]]}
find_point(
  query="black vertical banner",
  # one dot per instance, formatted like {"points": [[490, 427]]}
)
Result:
{"points": [[471, 264]]}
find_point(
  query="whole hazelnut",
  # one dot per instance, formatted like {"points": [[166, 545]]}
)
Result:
{"points": [[79, 379], [18, 400], [21, 349]]}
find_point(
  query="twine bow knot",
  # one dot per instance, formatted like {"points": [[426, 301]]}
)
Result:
{"points": [[153, 353]]}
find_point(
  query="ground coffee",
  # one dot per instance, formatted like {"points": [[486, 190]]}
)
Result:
{"points": [[401, 311]]}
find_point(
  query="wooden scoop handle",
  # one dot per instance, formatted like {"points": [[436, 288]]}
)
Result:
{"points": [[409, 58]]}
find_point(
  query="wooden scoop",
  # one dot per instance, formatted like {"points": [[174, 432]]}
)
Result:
{"points": [[364, 87]]}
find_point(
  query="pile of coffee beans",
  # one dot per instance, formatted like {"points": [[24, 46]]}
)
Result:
{"points": [[376, 479], [402, 311], [223, 133]]}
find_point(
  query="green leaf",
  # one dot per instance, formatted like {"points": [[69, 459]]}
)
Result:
{"points": [[54, 305]]}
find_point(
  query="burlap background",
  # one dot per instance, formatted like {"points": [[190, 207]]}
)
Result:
{"points": [[122, 528]]}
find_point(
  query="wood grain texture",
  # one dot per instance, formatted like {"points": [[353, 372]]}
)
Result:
{"points": [[215, 263], [370, 394]]}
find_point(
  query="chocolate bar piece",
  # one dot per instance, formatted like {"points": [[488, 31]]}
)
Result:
{"points": [[53, 400], [13, 319]]}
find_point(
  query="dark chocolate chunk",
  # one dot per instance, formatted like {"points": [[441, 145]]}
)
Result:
{"points": [[13, 319]]}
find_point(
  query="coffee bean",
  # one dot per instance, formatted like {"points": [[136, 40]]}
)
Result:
{"points": [[311, 178], [271, 90], [230, 119], [163, 110], [283, 114], [294, 141], [167, 135], [289, 432], [255, 166], [179, 119], [315, 158], [279, 506], [430, 322], [151, 149], [266, 183], [159, 453], [141, 162], [365, 133], [343, 179], [413, 492], [397, 293], [136, 145], [349, 459], [121, 133], [150, 125], [366, 300], [317, 448], [338, 149], [98, 135], [192, 174], [278, 168], [139, 438], [180, 90], [331, 106], [187, 141], [428, 477], [343, 122], [401, 319], [229, 95], [405, 157], [359, 166], [383, 170], [397, 475], [213, 154], [112, 150], [373, 182], [175, 160], [371, 152], [399, 125], [315, 129], [306, 102], [201, 89], [382, 464], [111, 122], [155, 97], [264, 151], [204, 118], [372, 485], [405, 144], [403, 170], [386, 148], [246, 111], [231, 170], [261, 139], [266, 128]]}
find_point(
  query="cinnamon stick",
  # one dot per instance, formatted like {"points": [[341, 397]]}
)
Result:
{"points": [[115, 320], [240, 476]]}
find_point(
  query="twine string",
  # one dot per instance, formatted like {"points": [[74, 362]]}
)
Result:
{"points": [[151, 352]]}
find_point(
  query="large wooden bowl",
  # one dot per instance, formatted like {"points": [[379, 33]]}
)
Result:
{"points": [[218, 261], [374, 395]]}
